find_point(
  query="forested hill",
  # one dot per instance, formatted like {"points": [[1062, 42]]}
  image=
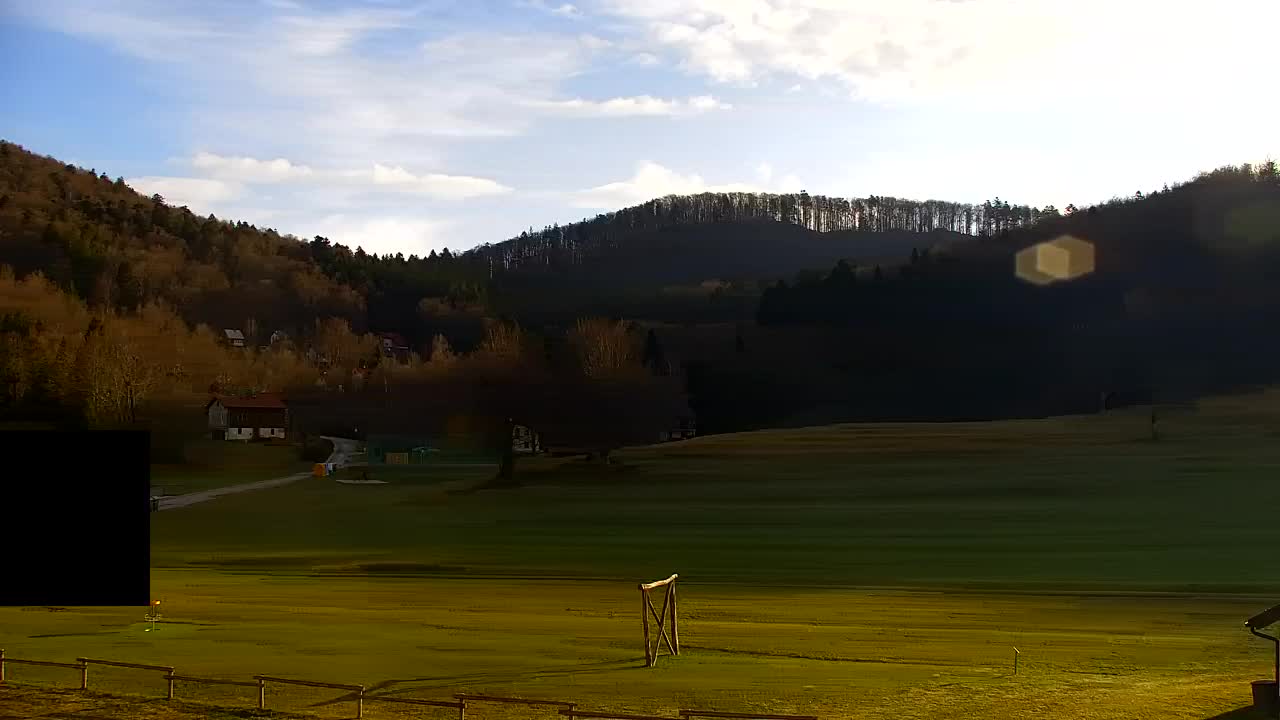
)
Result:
{"points": [[116, 249], [564, 246], [112, 247], [1169, 295]]}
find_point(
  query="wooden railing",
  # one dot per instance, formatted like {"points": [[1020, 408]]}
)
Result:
{"points": [[571, 714], [84, 670], [459, 705], [688, 714], [264, 679], [468, 697], [566, 709], [85, 662]]}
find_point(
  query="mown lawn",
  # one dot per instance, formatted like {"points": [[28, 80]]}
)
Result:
{"points": [[1078, 504], [220, 464], [880, 571]]}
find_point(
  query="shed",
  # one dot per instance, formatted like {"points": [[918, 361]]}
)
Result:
{"points": [[394, 346]]}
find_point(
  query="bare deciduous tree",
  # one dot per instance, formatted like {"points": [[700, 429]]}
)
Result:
{"points": [[604, 348]]}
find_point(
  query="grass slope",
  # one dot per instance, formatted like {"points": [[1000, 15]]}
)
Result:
{"points": [[213, 465], [1122, 568]]}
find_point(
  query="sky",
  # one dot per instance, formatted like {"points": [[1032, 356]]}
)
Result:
{"points": [[404, 126]]}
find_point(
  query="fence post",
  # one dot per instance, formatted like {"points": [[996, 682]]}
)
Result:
{"points": [[1, 665], [462, 709], [360, 703], [644, 616], [675, 630], [169, 677], [84, 675], [262, 694]]}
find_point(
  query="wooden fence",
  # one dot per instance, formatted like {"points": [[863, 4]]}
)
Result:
{"points": [[460, 702]]}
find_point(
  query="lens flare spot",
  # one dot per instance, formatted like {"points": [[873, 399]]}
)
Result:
{"points": [[1063, 258]]}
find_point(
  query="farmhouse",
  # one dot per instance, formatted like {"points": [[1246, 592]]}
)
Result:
{"points": [[258, 417], [394, 346], [233, 338]]}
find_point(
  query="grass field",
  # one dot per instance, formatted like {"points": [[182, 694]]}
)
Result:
{"points": [[881, 571], [219, 464]]}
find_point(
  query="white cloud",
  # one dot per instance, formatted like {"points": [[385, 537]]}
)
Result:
{"points": [[247, 169], [380, 177], [362, 83], [643, 105], [926, 49], [594, 42], [314, 35], [764, 172], [452, 187], [199, 194], [645, 59], [652, 180], [408, 234], [563, 9]]}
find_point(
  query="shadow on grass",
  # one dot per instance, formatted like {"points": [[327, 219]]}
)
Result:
{"points": [[453, 682], [1244, 713]]}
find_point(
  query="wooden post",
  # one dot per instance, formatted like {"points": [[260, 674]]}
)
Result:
{"points": [[169, 677], [675, 632], [84, 675], [262, 694], [644, 615], [1, 665], [1016, 654], [360, 703], [462, 710]]}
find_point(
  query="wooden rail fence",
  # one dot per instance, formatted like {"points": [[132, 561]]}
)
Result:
{"points": [[264, 679], [468, 697], [84, 670], [740, 716], [460, 705], [460, 702], [571, 714]]}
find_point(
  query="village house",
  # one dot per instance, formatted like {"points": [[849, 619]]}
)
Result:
{"points": [[394, 346], [258, 417], [233, 338]]}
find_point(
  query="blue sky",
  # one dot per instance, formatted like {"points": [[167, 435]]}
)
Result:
{"points": [[406, 126]]}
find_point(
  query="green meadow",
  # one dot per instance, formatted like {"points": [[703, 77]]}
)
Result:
{"points": [[868, 571]]}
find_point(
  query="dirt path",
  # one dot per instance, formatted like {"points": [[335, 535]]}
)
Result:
{"points": [[343, 449]]}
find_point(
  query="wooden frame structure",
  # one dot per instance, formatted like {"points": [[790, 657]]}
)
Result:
{"points": [[668, 614]]}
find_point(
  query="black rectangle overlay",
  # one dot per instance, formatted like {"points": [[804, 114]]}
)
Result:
{"points": [[75, 518]]}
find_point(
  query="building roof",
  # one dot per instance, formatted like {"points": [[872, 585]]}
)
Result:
{"points": [[233, 334], [395, 339], [261, 401]]}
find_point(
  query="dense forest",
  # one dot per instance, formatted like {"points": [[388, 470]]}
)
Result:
{"points": [[112, 306], [114, 248], [1180, 301]]}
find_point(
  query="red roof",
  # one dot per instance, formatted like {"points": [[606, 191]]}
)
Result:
{"points": [[263, 401], [396, 339]]}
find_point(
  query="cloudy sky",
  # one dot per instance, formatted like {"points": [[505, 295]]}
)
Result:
{"points": [[404, 126]]}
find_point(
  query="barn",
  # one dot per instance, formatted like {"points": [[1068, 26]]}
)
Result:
{"points": [[257, 417]]}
